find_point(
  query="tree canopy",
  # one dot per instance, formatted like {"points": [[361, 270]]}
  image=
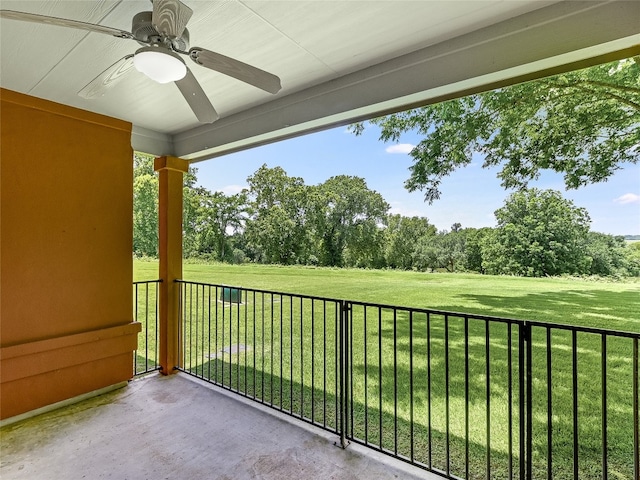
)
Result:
{"points": [[583, 124], [347, 216], [276, 232], [539, 234]]}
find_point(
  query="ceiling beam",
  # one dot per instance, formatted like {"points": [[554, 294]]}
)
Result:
{"points": [[152, 142]]}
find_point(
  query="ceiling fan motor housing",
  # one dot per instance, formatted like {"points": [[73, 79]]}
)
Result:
{"points": [[143, 31]]}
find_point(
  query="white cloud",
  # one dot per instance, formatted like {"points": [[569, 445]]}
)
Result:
{"points": [[406, 212], [232, 189], [628, 198], [399, 148], [401, 209]]}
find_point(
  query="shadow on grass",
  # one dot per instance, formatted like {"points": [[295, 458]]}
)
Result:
{"points": [[552, 387], [592, 308]]}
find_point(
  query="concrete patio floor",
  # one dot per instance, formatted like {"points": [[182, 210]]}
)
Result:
{"points": [[180, 428]]}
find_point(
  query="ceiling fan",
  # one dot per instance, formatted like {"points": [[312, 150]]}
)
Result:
{"points": [[164, 37]]}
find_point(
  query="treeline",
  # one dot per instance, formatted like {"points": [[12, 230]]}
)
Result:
{"points": [[342, 223]]}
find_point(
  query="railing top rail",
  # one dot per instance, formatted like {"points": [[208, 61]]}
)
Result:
{"points": [[531, 323], [581, 329], [473, 316], [140, 282], [259, 290]]}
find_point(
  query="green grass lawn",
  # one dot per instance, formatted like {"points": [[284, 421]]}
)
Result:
{"points": [[612, 305], [399, 360]]}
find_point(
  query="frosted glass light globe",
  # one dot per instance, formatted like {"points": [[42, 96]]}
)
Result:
{"points": [[159, 64]]}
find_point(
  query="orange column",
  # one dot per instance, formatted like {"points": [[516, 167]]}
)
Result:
{"points": [[170, 182]]}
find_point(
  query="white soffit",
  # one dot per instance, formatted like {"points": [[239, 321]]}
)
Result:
{"points": [[339, 61]]}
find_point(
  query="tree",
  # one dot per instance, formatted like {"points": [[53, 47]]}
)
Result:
{"points": [[228, 213], [452, 249], [606, 254], [347, 215], [444, 250], [584, 124], [426, 254], [145, 206], [474, 242], [539, 233], [190, 205], [277, 231], [209, 218], [401, 235], [632, 258]]}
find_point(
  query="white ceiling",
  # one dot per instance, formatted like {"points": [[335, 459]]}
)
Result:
{"points": [[337, 60]]}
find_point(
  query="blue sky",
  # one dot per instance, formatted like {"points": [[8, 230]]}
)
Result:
{"points": [[469, 196]]}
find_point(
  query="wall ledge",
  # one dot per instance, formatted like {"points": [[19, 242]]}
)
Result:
{"points": [[39, 346], [34, 358]]}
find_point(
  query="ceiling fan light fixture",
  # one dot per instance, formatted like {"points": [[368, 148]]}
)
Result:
{"points": [[160, 64]]}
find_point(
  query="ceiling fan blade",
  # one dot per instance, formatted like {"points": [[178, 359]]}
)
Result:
{"points": [[97, 86], [196, 98], [236, 69], [170, 17], [63, 22]]}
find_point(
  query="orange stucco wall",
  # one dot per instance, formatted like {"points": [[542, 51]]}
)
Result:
{"points": [[65, 252]]}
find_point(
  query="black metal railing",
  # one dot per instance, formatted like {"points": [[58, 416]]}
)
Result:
{"points": [[465, 396], [278, 349], [145, 311]]}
